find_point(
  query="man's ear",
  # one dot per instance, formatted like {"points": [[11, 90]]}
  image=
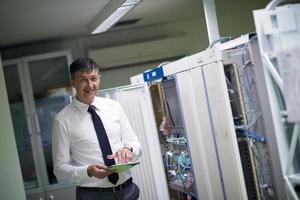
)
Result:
{"points": [[72, 82]]}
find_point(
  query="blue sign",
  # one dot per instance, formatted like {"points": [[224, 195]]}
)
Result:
{"points": [[153, 74]]}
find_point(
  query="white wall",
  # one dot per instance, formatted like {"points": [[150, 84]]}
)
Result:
{"points": [[11, 183], [235, 17], [193, 29]]}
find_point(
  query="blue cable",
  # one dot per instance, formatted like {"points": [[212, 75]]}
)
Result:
{"points": [[253, 135]]}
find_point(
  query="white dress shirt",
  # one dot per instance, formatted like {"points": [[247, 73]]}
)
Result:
{"points": [[75, 144]]}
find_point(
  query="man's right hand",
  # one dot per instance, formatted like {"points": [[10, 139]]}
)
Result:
{"points": [[98, 171]]}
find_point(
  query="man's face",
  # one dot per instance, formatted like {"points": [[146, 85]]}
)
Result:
{"points": [[86, 85]]}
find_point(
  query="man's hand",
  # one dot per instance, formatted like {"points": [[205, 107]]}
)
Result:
{"points": [[123, 155], [98, 171]]}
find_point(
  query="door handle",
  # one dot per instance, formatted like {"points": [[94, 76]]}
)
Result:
{"points": [[28, 125], [36, 119]]}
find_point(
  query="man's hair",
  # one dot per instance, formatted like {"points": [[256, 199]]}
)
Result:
{"points": [[83, 65]]}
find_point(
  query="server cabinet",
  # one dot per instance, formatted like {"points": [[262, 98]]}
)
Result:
{"points": [[221, 111]]}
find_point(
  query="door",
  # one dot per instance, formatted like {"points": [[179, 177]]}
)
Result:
{"points": [[213, 144], [22, 129], [149, 175], [38, 88]]}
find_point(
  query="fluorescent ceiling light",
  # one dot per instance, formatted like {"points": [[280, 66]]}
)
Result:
{"points": [[111, 14], [112, 19]]}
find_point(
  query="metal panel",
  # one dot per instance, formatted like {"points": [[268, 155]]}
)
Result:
{"points": [[269, 124], [223, 129], [278, 36], [36, 196], [199, 59], [62, 194], [200, 139]]}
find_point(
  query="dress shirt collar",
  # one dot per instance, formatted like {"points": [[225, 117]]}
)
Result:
{"points": [[84, 107]]}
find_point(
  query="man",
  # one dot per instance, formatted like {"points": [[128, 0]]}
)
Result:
{"points": [[81, 153]]}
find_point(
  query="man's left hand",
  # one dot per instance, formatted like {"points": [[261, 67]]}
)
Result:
{"points": [[123, 155]]}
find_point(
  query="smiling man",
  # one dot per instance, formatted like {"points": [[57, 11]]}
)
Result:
{"points": [[91, 134]]}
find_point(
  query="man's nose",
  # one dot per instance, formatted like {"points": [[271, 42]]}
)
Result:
{"points": [[89, 83]]}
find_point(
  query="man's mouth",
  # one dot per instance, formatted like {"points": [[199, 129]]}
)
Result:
{"points": [[88, 91]]}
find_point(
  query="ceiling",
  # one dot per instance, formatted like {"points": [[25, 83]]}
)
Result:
{"points": [[38, 20], [24, 22]]}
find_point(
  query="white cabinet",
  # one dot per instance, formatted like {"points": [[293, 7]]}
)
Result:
{"points": [[38, 87]]}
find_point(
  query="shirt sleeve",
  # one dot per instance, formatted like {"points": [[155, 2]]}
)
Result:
{"points": [[63, 168], [129, 138]]}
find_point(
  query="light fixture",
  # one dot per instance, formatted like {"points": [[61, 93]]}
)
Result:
{"points": [[111, 13]]}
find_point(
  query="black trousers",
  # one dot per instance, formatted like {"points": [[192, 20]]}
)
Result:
{"points": [[131, 192]]}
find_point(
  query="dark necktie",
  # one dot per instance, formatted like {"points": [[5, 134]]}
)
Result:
{"points": [[104, 143]]}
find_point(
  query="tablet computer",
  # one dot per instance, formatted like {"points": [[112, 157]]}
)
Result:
{"points": [[121, 167]]}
